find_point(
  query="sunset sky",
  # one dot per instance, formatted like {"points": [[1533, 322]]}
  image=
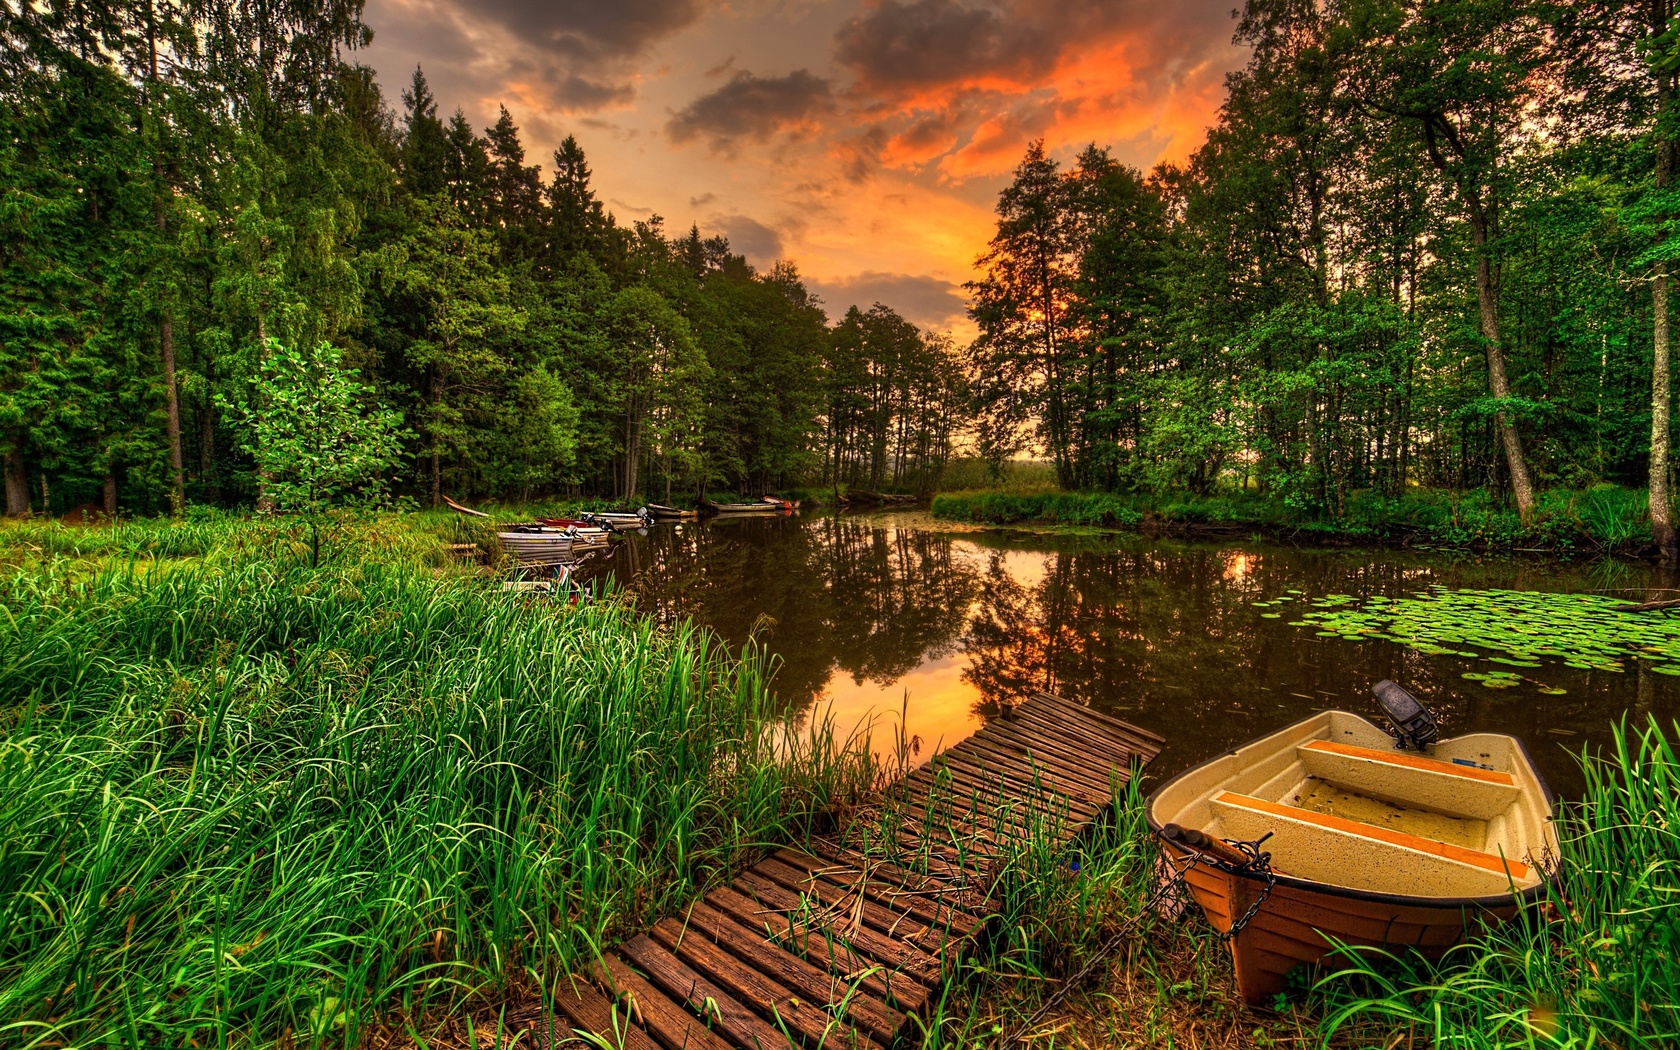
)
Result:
{"points": [[865, 140]]}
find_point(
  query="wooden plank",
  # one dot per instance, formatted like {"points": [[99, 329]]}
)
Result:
{"points": [[591, 1012], [673, 1026], [1115, 724], [772, 1001], [1063, 763], [957, 891], [1034, 777], [1083, 767], [825, 950], [674, 977], [937, 913], [1069, 724], [889, 921], [817, 986], [898, 956], [1141, 742]]}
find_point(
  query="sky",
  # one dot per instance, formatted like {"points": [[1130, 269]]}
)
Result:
{"points": [[863, 140]]}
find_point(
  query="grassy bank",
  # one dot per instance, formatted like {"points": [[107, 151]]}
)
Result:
{"points": [[246, 802], [1604, 518], [1598, 965]]}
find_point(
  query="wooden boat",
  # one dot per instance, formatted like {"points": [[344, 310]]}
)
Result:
{"points": [[768, 505], [616, 519], [660, 512], [459, 509], [1369, 844]]}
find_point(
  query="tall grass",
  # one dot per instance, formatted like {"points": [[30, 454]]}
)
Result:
{"points": [[253, 803], [1602, 518], [1599, 966]]}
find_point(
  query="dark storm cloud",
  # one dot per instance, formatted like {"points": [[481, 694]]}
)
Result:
{"points": [[572, 55], [759, 243], [905, 46], [750, 106], [589, 29], [925, 301]]}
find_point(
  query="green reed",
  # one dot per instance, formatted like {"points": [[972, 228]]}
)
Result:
{"points": [[1597, 965], [249, 802]]}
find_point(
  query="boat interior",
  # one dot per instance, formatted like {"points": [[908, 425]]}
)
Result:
{"points": [[1467, 818]]}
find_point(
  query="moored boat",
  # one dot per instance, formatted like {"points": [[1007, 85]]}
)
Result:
{"points": [[1372, 839], [768, 505], [660, 512], [617, 519]]}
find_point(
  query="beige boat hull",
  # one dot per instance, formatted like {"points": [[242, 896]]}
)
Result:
{"points": [[1320, 899]]}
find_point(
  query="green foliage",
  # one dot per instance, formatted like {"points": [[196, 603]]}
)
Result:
{"points": [[316, 442], [1515, 628], [1602, 518], [1598, 965], [1008, 508], [331, 800]]}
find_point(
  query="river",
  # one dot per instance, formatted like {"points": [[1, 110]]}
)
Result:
{"points": [[873, 615]]}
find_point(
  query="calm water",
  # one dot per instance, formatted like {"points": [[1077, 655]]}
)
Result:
{"points": [[888, 612]]}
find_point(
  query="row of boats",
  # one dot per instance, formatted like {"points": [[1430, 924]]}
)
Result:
{"points": [[554, 542]]}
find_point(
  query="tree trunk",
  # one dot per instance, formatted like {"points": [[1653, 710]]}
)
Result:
{"points": [[17, 485], [166, 323], [1487, 298], [435, 393], [1662, 516], [265, 499], [207, 444], [1662, 522], [172, 406], [111, 493]]}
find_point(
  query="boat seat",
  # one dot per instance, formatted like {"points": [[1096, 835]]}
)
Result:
{"points": [[1327, 848], [1412, 780]]}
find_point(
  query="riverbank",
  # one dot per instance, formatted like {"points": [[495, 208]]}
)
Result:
{"points": [[248, 802], [1598, 964], [1604, 519]]}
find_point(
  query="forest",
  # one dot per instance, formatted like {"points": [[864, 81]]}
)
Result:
{"points": [[1425, 245], [196, 194]]}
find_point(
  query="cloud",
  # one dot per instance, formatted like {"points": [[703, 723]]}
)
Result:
{"points": [[569, 56], [928, 302], [962, 85], [588, 30], [747, 236], [754, 107]]}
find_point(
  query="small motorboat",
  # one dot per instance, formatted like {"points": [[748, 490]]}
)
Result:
{"points": [[660, 512], [1390, 840], [767, 505], [617, 520]]}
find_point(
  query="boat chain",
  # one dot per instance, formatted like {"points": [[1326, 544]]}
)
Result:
{"points": [[1259, 863]]}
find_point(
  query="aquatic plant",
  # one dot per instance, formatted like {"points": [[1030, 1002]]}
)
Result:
{"points": [[255, 803], [1521, 629]]}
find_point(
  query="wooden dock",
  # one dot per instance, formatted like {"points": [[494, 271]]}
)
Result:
{"points": [[839, 945]]}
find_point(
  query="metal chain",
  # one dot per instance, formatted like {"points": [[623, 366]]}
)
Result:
{"points": [[1258, 863]]}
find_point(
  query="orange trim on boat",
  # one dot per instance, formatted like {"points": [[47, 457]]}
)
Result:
{"points": [[1400, 758], [1445, 850]]}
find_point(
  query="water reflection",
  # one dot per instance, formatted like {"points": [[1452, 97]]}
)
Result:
{"points": [[862, 613]]}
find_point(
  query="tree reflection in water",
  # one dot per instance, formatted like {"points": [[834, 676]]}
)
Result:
{"points": [[1161, 632]]}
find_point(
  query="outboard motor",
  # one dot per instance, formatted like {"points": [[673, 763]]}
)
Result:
{"points": [[1414, 726]]}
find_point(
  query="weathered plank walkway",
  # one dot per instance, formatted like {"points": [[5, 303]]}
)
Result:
{"points": [[837, 946]]}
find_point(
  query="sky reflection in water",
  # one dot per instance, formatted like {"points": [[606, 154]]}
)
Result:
{"points": [[864, 612]]}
